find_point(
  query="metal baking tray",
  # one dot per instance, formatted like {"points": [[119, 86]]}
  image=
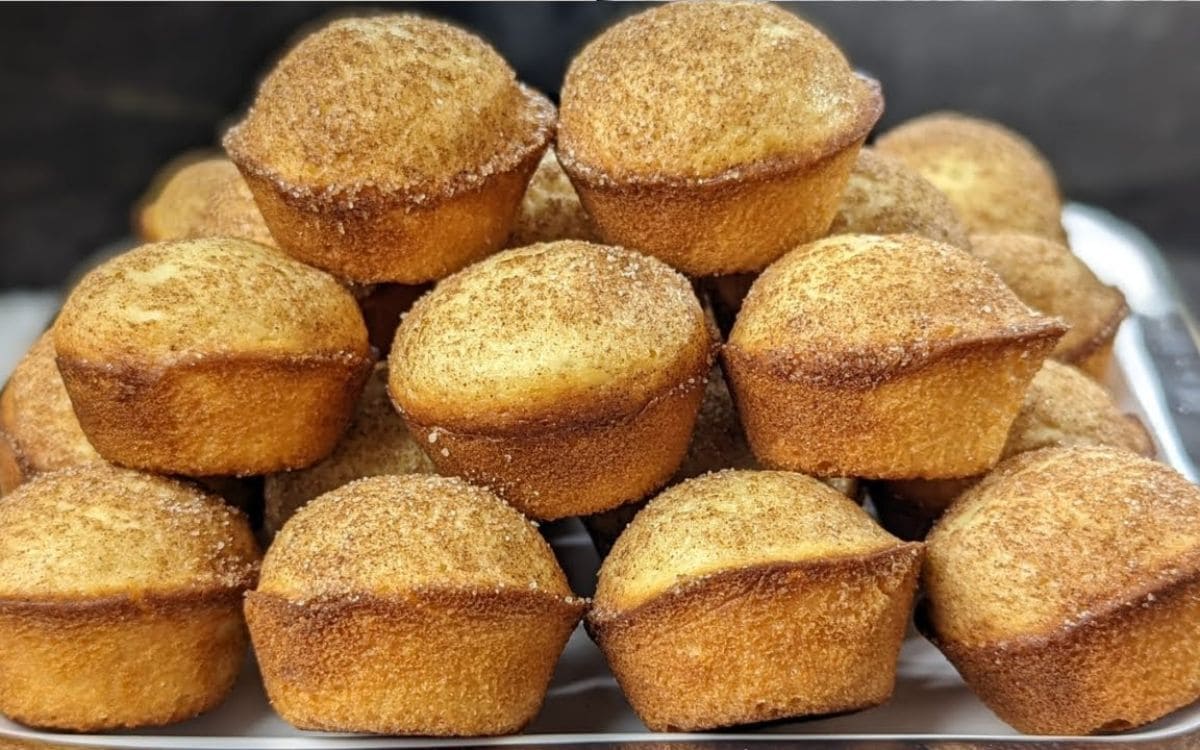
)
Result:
{"points": [[1157, 376]]}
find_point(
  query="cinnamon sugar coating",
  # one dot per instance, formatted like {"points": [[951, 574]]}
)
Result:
{"points": [[196, 196], [551, 209], [995, 178]]}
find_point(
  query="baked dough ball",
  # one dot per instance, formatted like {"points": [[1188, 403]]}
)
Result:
{"points": [[376, 443], [883, 196], [747, 596], [211, 356], [199, 196], [1062, 407], [1065, 589], [391, 148], [715, 136], [997, 180], [120, 600], [883, 357], [410, 605], [550, 209], [566, 376], [1047, 276]]}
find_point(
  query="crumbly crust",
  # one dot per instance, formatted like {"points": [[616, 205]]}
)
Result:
{"points": [[997, 180]]}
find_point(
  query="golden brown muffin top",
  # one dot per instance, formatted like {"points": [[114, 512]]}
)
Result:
{"points": [[883, 196], [551, 209], [732, 520], [692, 90], [390, 103], [99, 531], [36, 413], [399, 535], [375, 443], [212, 296], [200, 197], [1053, 538], [995, 178], [1048, 277], [1064, 406], [557, 331], [859, 307]]}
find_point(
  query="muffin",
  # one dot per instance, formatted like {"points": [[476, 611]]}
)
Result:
{"points": [[211, 356], [1047, 276], [997, 180], [410, 605], [40, 433], [1062, 407], [715, 136], [120, 600], [391, 148], [550, 209], [883, 196], [382, 307], [746, 596], [566, 376], [376, 443], [1065, 588], [199, 196], [885, 357]]}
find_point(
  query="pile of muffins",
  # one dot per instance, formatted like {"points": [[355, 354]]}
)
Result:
{"points": [[417, 311]]}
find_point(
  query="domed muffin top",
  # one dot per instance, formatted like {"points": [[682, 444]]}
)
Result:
{"points": [[202, 198], [691, 90]]}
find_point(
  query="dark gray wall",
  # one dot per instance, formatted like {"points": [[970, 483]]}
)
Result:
{"points": [[96, 97]]}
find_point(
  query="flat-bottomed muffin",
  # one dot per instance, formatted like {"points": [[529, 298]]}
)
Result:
{"points": [[375, 443], [1065, 587], [715, 136], [199, 196], [211, 356], [887, 357], [1048, 277], [745, 596], [995, 178], [391, 148], [551, 209], [120, 600], [566, 376], [1062, 407], [410, 605]]}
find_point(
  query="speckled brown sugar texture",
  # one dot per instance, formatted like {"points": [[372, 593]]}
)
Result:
{"points": [[1062, 407], [883, 357], [997, 179], [744, 596], [120, 600], [566, 376], [213, 356], [391, 148], [551, 209], [410, 605], [715, 136], [1047, 276], [199, 195], [1064, 587]]}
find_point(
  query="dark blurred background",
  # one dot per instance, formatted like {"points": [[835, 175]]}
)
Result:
{"points": [[95, 97]]}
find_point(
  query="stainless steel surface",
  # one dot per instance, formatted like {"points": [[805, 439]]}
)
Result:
{"points": [[1157, 376]]}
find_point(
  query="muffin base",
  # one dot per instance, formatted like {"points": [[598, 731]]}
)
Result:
{"points": [[574, 469], [98, 665], [947, 418], [435, 663], [763, 643], [1127, 664], [227, 415], [736, 224]]}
